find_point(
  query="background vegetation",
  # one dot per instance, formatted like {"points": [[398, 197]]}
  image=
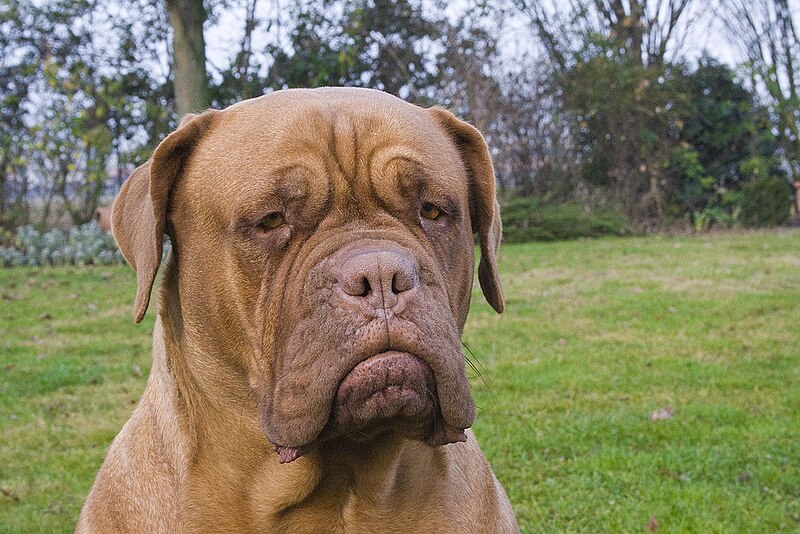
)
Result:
{"points": [[597, 336], [605, 104]]}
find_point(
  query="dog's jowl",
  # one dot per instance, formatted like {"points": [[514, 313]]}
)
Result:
{"points": [[307, 367]]}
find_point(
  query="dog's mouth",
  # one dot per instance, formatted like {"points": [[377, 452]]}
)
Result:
{"points": [[391, 390], [386, 386]]}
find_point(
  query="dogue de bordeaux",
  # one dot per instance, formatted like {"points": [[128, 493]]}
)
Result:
{"points": [[307, 372]]}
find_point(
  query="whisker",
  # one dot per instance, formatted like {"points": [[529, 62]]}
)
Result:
{"points": [[475, 367]]}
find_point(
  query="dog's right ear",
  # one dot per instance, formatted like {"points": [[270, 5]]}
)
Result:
{"points": [[139, 215]]}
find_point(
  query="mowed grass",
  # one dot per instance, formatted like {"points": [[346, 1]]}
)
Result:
{"points": [[597, 335]]}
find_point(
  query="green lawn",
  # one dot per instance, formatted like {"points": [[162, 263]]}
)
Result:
{"points": [[597, 335]]}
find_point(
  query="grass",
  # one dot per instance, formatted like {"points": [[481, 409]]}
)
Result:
{"points": [[597, 335]]}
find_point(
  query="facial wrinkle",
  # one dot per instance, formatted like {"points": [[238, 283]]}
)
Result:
{"points": [[341, 149], [383, 302]]}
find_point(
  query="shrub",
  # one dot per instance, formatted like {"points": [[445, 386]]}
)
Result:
{"points": [[527, 219], [84, 245], [717, 216], [765, 201], [11, 257]]}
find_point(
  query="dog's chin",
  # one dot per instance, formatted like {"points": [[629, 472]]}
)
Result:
{"points": [[387, 387], [391, 392]]}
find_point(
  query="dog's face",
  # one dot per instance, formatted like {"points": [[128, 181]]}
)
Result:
{"points": [[323, 243]]}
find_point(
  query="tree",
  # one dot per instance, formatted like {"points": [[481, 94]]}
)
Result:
{"points": [[612, 71], [767, 36], [241, 78], [82, 101], [18, 70], [644, 32], [381, 44], [507, 102], [186, 17], [723, 122], [725, 131]]}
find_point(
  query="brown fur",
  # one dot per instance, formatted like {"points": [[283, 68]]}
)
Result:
{"points": [[255, 335], [102, 216]]}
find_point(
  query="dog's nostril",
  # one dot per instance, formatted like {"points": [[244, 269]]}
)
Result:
{"points": [[400, 284], [366, 288], [402, 281]]}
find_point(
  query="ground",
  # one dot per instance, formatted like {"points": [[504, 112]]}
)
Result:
{"points": [[597, 336]]}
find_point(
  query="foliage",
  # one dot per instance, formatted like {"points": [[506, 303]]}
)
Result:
{"points": [[79, 101], [610, 109], [83, 245], [528, 219], [18, 69], [611, 71], [658, 138], [767, 33], [725, 133], [667, 141], [624, 129], [723, 122], [765, 201], [704, 219], [380, 44]]}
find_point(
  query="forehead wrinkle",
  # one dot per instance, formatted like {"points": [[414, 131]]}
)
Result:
{"points": [[385, 199], [340, 186], [272, 189], [343, 145], [382, 162], [366, 191], [413, 180], [381, 155], [348, 168]]}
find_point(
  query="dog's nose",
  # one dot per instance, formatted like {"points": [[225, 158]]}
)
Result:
{"points": [[379, 277]]}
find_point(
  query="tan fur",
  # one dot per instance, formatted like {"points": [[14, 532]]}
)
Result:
{"points": [[102, 216], [249, 345]]}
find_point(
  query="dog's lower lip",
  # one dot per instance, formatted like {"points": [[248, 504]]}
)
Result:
{"points": [[393, 364], [387, 385]]}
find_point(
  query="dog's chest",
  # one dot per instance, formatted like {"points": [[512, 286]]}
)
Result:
{"points": [[336, 506]]}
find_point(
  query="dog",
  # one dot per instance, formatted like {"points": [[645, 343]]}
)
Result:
{"points": [[307, 373]]}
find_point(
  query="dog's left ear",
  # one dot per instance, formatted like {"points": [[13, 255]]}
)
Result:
{"points": [[139, 214], [484, 208]]}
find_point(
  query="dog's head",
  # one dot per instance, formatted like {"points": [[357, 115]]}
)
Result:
{"points": [[323, 243]]}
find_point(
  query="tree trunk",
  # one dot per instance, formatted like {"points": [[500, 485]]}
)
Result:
{"points": [[186, 17]]}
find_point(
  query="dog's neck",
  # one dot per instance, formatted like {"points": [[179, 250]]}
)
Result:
{"points": [[224, 455]]}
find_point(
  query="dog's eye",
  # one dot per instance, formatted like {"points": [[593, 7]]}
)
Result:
{"points": [[431, 211], [272, 221]]}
